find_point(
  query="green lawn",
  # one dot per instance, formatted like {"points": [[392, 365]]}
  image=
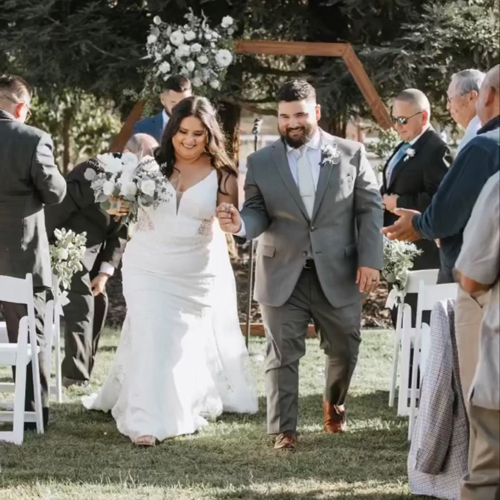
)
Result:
{"points": [[82, 456]]}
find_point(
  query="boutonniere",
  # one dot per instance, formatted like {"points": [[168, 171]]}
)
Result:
{"points": [[330, 154], [410, 153]]}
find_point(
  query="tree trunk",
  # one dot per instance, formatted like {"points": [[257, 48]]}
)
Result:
{"points": [[230, 117], [66, 137], [335, 125]]}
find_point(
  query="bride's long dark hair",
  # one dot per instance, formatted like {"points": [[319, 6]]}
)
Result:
{"points": [[200, 108]]}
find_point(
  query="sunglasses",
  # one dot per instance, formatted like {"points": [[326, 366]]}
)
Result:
{"points": [[403, 120]]}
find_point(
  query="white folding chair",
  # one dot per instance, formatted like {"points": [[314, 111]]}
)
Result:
{"points": [[55, 338], [428, 296], [4, 338], [429, 277], [19, 355], [407, 345]]}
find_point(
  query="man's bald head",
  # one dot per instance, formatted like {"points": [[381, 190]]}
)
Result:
{"points": [[411, 107], [488, 103], [141, 145]]}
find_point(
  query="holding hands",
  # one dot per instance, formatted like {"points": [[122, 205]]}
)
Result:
{"points": [[229, 218]]}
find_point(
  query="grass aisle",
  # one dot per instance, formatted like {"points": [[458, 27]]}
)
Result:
{"points": [[83, 457]]}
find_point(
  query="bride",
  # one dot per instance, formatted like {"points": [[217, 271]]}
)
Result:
{"points": [[181, 357]]}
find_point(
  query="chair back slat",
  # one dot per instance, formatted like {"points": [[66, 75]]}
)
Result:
{"points": [[16, 290], [428, 276], [430, 294]]}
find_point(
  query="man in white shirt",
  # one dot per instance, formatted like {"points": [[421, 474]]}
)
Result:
{"points": [[462, 95], [313, 201], [478, 272], [175, 89]]}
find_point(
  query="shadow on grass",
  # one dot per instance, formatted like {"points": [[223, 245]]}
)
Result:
{"points": [[85, 447], [310, 495]]}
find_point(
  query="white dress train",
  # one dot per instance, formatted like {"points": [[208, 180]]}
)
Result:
{"points": [[181, 357]]}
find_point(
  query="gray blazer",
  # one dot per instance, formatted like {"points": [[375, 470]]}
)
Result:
{"points": [[344, 232], [440, 443], [30, 179]]}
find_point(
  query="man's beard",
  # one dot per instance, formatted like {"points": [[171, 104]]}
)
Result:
{"points": [[308, 132]]}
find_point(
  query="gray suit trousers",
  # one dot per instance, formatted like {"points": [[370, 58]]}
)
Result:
{"points": [[286, 329]]}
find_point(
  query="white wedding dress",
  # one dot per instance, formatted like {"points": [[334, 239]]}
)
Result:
{"points": [[181, 357]]}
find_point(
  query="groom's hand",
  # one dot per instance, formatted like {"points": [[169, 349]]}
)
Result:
{"points": [[367, 279], [229, 218]]}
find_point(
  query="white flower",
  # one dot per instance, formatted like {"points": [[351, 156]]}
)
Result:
{"points": [[157, 20], [129, 160], [224, 58], [331, 154], [208, 35], [108, 188], [152, 39], [149, 165], [184, 72], [62, 254], [215, 84], [230, 32], [410, 153], [227, 21], [111, 164], [167, 49], [196, 48], [90, 174], [190, 35], [190, 65], [164, 67], [148, 187], [197, 82], [185, 50], [128, 189], [203, 59], [177, 38]]}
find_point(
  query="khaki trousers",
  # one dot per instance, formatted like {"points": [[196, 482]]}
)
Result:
{"points": [[468, 317], [482, 482]]}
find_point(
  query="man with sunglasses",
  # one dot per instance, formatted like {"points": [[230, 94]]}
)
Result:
{"points": [[413, 173], [30, 180], [450, 211]]}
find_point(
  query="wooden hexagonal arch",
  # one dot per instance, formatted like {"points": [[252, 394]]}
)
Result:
{"points": [[270, 47]]}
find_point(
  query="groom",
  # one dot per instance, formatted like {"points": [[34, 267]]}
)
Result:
{"points": [[313, 199]]}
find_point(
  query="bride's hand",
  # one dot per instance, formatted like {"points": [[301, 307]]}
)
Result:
{"points": [[229, 218], [121, 208]]}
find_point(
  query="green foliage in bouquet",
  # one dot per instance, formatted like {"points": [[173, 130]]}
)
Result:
{"points": [[66, 255], [398, 260]]}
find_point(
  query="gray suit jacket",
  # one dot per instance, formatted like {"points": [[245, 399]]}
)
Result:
{"points": [[30, 179], [344, 232]]}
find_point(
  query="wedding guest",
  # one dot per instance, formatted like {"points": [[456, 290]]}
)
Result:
{"points": [[478, 273], [462, 95], [30, 179], [175, 89], [450, 211], [85, 314], [413, 173]]}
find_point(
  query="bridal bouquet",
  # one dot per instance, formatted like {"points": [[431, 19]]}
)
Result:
{"points": [[124, 179], [194, 49], [66, 255], [398, 260]]}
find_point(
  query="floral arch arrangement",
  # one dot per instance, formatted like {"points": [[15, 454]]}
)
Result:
{"points": [[195, 50]]}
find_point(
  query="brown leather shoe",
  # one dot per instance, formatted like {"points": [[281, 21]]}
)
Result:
{"points": [[334, 418], [286, 441]]}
